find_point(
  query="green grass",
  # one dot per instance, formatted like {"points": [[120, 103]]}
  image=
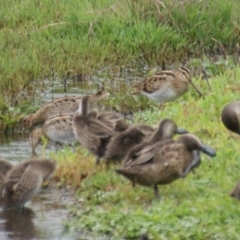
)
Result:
{"points": [[197, 207], [38, 37]]}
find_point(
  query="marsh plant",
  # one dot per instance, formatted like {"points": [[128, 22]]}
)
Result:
{"points": [[196, 207]]}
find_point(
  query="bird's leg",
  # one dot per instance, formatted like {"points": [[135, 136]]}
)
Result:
{"points": [[156, 192], [236, 192], [58, 146], [194, 163], [34, 154], [107, 164], [72, 146], [97, 160]]}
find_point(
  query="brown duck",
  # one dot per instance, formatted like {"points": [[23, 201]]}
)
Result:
{"points": [[230, 116], [165, 163], [57, 107], [166, 130], [138, 137], [121, 143], [24, 180], [111, 119], [90, 132]]}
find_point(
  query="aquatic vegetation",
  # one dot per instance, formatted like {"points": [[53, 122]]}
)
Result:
{"points": [[197, 207], [72, 38], [73, 167]]}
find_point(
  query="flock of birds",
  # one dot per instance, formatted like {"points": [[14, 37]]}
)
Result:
{"points": [[149, 155]]}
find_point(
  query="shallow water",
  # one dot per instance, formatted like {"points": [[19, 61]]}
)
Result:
{"points": [[43, 217]]}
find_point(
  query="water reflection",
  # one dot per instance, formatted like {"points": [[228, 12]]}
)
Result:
{"points": [[18, 225]]}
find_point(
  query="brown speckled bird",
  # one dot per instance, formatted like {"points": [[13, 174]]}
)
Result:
{"points": [[57, 129], [166, 86], [59, 106]]}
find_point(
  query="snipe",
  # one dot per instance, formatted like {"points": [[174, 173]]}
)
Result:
{"points": [[59, 106], [57, 129], [166, 86], [24, 180]]}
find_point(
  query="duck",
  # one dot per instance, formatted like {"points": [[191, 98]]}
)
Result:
{"points": [[111, 119], [166, 130], [57, 129], [166, 162], [24, 180], [166, 85], [138, 137], [59, 106], [230, 116], [120, 144], [91, 133]]}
